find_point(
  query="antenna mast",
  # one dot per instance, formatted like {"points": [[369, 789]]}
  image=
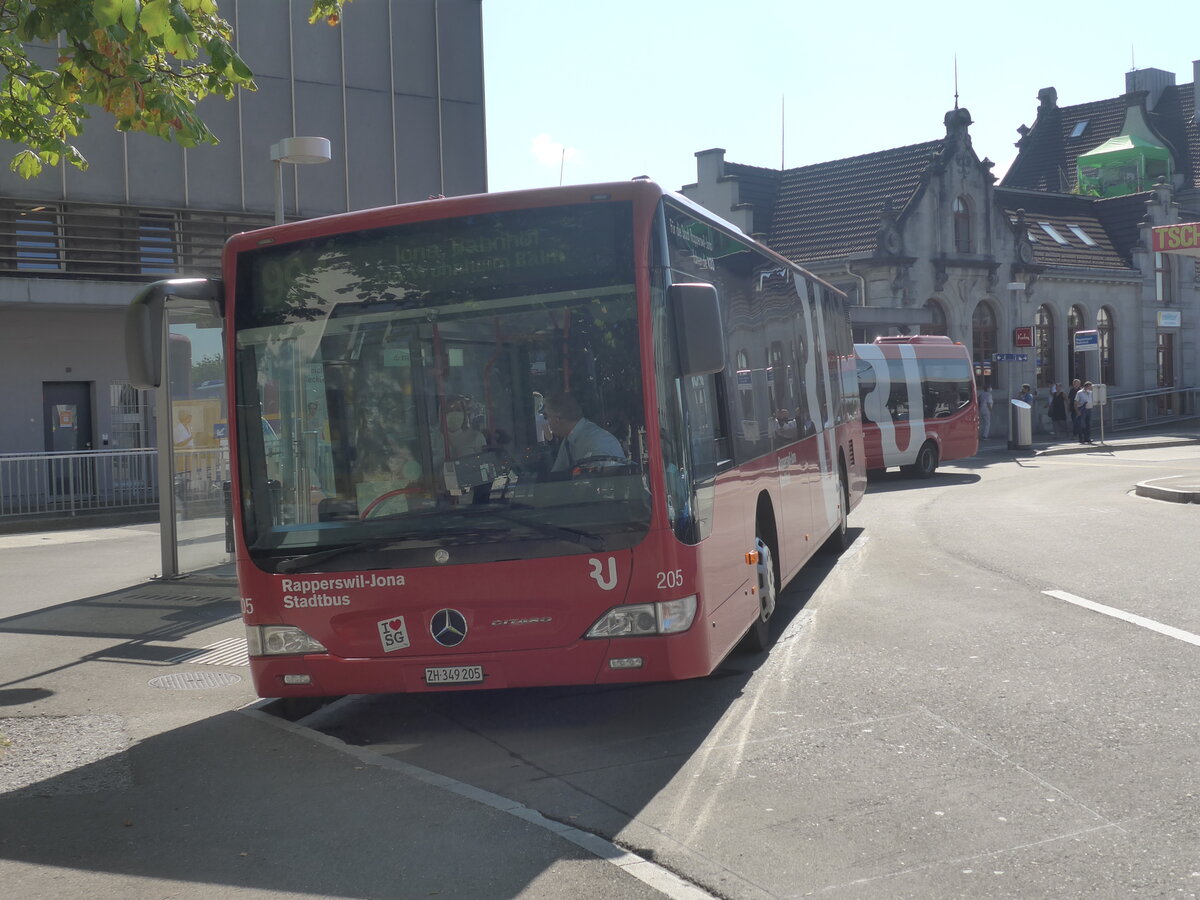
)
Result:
{"points": [[782, 130]]}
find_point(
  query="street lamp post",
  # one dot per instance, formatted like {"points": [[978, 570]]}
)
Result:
{"points": [[296, 151]]}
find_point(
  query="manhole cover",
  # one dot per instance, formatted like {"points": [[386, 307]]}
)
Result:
{"points": [[194, 681]]}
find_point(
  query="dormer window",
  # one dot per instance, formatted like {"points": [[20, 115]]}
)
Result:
{"points": [[1083, 236], [962, 225], [1050, 230]]}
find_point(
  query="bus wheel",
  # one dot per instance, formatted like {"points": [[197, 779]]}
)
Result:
{"points": [[839, 541], [758, 638], [927, 461]]}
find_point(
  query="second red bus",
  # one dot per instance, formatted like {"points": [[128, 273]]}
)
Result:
{"points": [[918, 401]]}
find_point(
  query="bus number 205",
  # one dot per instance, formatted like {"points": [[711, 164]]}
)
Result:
{"points": [[672, 579]]}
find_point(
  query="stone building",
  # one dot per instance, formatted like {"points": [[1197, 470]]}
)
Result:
{"points": [[922, 238], [398, 91]]}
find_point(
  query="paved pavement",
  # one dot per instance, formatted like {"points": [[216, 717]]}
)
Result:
{"points": [[1174, 489], [135, 761]]}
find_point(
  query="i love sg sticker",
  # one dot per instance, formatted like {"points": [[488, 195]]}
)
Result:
{"points": [[393, 634]]}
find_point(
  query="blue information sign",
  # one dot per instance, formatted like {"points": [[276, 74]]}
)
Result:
{"points": [[1087, 340], [1010, 357]]}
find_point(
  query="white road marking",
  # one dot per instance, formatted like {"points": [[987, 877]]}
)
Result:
{"points": [[1170, 631]]}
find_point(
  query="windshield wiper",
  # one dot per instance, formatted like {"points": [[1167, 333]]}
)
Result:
{"points": [[295, 563], [589, 540]]}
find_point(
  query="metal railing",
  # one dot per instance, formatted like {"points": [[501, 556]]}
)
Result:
{"points": [[1140, 409], [69, 484]]}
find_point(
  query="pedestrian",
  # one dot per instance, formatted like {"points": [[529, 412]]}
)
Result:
{"points": [[1057, 408], [1083, 405], [985, 411], [1071, 411], [1025, 395]]}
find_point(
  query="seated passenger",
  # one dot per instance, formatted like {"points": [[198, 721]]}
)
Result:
{"points": [[465, 438], [582, 439]]}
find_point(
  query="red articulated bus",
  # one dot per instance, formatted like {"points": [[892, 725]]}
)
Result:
{"points": [[567, 436], [919, 406]]}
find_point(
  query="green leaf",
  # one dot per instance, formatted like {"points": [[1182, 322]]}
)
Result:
{"points": [[180, 20], [129, 14], [240, 69], [26, 164], [155, 18], [107, 12]]}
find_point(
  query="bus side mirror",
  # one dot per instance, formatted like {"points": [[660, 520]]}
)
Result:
{"points": [[698, 328], [145, 318]]}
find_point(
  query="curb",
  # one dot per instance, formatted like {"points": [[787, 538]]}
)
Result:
{"points": [[1155, 490]]}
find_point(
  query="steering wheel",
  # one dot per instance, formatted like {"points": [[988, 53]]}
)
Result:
{"points": [[599, 461], [387, 495]]}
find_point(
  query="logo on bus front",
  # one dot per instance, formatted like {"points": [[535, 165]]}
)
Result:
{"points": [[448, 627]]}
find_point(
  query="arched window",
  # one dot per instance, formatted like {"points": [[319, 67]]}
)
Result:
{"points": [[983, 340], [962, 225], [1108, 365], [1043, 345], [939, 319], [1076, 321]]}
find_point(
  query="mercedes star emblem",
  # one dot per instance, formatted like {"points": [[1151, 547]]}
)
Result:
{"points": [[448, 627]]}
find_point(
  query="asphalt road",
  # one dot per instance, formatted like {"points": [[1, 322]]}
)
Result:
{"points": [[992, 694]]}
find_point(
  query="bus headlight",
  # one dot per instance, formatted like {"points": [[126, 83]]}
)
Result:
{"points": [[639, 619], [280, 640]]}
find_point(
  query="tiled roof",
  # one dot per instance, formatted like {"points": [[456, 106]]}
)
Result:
{"points": [[1121, 218], [1109, 225], [832, 209], [1046, 161]]}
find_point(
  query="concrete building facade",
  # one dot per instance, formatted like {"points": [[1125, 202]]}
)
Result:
{"points": [[397, 89]]}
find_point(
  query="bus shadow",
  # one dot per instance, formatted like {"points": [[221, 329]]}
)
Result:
{"points": [[887, 482], [591, 757]]}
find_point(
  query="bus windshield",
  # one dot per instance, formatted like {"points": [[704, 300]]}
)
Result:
{"points": [[466, 389]]}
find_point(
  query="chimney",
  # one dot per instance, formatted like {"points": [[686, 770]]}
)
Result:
{"points": [[710, 165], [1153, 81]]}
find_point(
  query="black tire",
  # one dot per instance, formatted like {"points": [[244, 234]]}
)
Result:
{"points": [[758, 637], [927, 461], [839, 541]]}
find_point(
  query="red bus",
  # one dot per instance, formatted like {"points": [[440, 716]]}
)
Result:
{"points": [[421, 526], [919, 406]]}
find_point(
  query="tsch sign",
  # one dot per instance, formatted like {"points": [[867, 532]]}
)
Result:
{"points": [[1183, 238], [1023, 336]]}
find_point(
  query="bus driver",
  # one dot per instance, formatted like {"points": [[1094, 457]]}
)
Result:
{"points": [[582, 439]]}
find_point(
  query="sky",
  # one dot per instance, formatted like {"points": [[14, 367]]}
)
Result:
{"points": [[580, 92]]}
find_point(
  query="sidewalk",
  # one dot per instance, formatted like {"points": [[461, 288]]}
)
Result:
{"points": [[135, 763], [1175, 489]]}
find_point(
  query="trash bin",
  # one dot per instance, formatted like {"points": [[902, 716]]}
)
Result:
{"points": [[1020, 425]]}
